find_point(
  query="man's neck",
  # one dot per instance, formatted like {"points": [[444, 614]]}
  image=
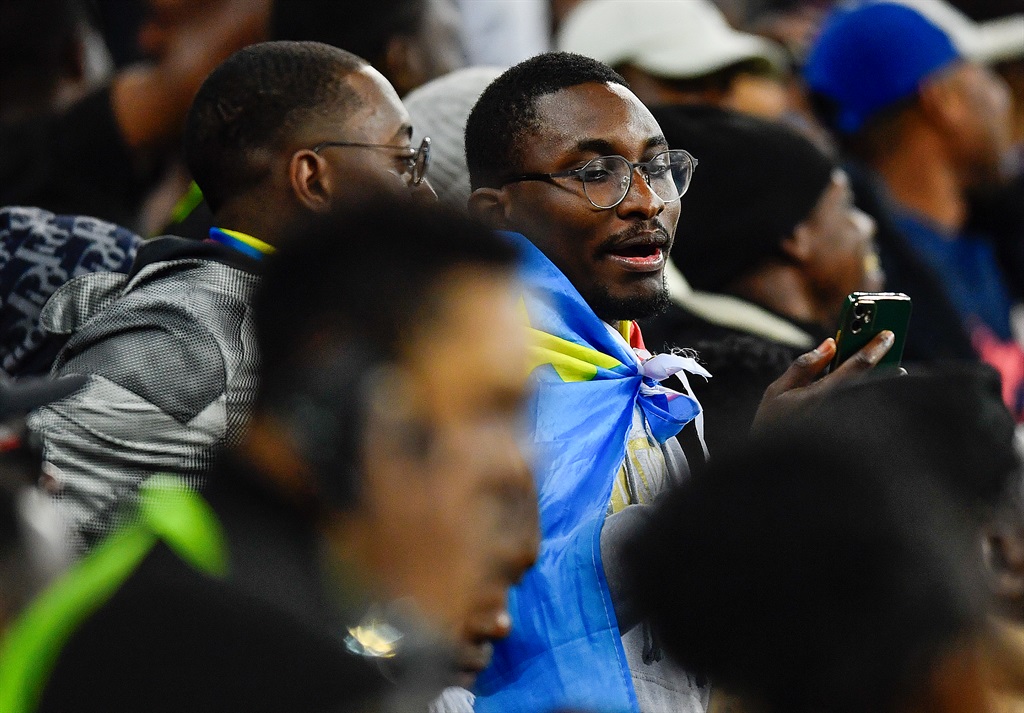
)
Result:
{"points": [[259, 224], [921, 177]]}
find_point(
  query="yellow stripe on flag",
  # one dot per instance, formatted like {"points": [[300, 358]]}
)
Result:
{"points": [[572, 362]]}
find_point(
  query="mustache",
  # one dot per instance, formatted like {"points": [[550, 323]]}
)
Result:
{"points": [[637, 233]]}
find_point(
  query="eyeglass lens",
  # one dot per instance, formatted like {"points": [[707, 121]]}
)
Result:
{"points": [[421, 162], [606, 180]]}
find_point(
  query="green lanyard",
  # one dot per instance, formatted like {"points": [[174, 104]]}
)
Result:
{"points": [[169, 511]]}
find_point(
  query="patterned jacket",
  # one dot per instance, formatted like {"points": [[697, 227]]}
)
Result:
{"points": [[171, 354], [39, 252]]}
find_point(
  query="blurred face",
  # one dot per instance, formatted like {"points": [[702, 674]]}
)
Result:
{"points": [[379, 118], [615, 257], [844, 257], [450, 519], [979, 119]]}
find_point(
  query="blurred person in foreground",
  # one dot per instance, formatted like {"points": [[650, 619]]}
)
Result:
{"points": [[75, 138], [357, 545], [809, 573], [680, 52], [279, 132], [765, 257], [931, 124], [567, 161]]}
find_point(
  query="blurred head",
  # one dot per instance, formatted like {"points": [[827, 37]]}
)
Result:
{"points": [[681, 51], [439, 109], [882, 70], [833, 577], [768, 208], [256, 135], [395, 393], [554, 113], [409, 41], [952, 419], [43, 54]]}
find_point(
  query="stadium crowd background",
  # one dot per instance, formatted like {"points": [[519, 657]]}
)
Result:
{"points": [[268, 440]]}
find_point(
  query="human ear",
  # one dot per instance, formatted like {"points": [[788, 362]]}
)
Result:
{"points": [[491, 206], [310, 181], [1003, 552], [942, 103], [798, 247]]}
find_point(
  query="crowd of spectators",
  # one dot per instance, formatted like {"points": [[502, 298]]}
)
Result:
{"points": [[440, 356]]}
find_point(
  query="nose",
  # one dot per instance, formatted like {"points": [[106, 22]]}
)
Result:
{"points": [[640, 200], [494, 623], [866, 225]]}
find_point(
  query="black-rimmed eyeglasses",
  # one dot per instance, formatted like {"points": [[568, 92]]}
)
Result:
{"points": [[607, 179], [416, 160]]}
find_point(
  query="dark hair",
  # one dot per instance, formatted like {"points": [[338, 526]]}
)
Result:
{"points": [[37, 43], [741, 206], [363, 28], [808, 574], [951, 418], [343, 296], [506, 110], [254, 100]]}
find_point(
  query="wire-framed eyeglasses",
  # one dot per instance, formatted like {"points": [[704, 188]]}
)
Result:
{"points": [[415, 160], [607, 179]]}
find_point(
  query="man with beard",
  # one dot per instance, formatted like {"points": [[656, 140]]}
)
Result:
{"points": [[564, 157]]}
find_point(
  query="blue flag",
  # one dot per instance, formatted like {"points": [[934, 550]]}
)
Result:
{"points": [[565, 650]]}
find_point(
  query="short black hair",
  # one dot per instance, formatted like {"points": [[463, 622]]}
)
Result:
{"points": [[345, 294], [806, 573], [361, 28], [950, 417], [506, 110], [37, 43], [254, 100]]}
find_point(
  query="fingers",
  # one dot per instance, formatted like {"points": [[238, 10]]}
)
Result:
{"points": [[805, 369], [867, 358]]}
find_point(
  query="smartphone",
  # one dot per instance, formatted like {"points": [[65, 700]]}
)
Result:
{"points": [[864, 315]]}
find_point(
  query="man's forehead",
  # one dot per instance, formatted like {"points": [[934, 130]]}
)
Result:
{"points": [[592, 113]]}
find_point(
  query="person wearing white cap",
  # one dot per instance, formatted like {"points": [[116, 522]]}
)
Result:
{"points": [[680, 51]]}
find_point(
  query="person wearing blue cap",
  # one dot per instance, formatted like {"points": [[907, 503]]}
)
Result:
{"points": [[932, 125]]}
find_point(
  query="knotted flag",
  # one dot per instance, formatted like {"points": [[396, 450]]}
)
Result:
{"points": [[565, 650]]}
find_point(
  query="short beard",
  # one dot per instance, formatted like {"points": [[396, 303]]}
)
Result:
{"points": [[613, 309]]}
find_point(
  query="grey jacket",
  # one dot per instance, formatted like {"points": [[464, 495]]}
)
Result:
{"points": [[171, 354]]}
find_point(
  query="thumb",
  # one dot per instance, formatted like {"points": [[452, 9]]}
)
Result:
{"points": [[805, 369]]}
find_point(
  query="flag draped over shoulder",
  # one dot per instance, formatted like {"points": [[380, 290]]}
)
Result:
{"points": [[565, 650]]}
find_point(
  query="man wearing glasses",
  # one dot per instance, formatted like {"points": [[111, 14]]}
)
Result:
{"points": [[565, 159], [279, 132]]}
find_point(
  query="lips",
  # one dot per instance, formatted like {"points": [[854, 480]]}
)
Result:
{"points": [[474, 658], [641, 252]]}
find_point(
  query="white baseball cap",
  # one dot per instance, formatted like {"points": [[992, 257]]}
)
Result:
{"points": [[674, 39], [987, 42]]}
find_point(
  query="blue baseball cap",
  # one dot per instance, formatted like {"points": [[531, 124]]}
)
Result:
{"points": [[870, 57]]}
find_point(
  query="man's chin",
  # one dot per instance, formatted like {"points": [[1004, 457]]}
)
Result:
{"points": [[614, 308]]}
